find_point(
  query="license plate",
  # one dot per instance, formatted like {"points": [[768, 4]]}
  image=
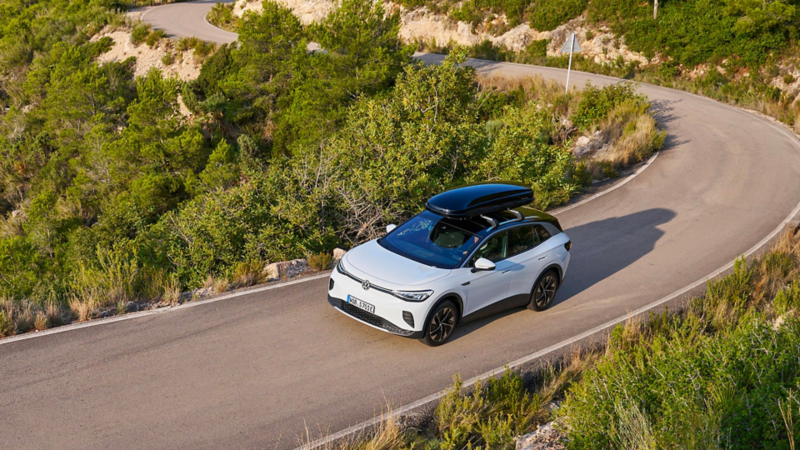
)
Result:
{"points": [[361, 304]]}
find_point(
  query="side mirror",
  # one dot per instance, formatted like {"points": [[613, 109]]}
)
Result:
{"points": [[483, 264], [390, 227]]}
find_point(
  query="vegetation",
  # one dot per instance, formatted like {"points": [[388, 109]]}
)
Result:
{"points": [[723, 372], [742, 46], [489, 415], [221, 15], [110, 197]]}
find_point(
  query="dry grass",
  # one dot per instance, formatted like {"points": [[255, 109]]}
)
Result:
{"points": [[505, 406], [220, 285], [320, 261], [248, 273], [632, 131]]}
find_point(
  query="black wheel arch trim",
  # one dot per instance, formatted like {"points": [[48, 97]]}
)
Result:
{"points": [[559, 273], [450, 296]]}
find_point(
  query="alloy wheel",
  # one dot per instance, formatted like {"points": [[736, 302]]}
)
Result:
{"points": [[442, 324], [545, 291]]}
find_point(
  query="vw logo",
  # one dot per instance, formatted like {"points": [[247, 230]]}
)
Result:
{"points": [[365, 284]]}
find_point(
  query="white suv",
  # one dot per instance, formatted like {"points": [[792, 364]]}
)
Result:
{"points": [[474, 251]]}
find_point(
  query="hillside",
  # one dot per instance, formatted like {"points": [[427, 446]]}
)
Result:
{"points": [[130, 176], [738, 51]]}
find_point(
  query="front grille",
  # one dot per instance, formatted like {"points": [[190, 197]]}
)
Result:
{"points": [[344, 272], [373, 320]]}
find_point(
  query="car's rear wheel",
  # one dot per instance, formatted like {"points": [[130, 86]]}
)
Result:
{"points": [[544, 291], [440, 324]]}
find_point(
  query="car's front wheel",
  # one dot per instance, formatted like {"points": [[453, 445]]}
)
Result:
{"points": [[440, 324], [544, 291]]}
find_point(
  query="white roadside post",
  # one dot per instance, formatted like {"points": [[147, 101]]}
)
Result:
{"points": [[570, 46]]}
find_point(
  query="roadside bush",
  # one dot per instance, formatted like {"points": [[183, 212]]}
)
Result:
{"points": [[221, 15], [722, 373], [321, 261], [491, 416], [168, 59], [139, 33], [597, 103], [154, 37], [187, 43]]}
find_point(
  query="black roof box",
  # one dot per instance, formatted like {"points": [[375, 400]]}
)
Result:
{"points": [[483, 198]]}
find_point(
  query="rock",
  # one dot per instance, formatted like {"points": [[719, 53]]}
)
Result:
{"points": [[544, 438], [583, 141], [285, 269], [338, 254]]}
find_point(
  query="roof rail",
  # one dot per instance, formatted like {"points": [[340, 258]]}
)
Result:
{"points": [[490, 220], [517, 214]]}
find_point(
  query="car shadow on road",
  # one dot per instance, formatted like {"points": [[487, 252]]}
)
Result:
{"points": [[600, 249], [606, 247]]}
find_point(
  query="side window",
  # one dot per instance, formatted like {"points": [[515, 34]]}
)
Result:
{"points": [[541, 234], [521, 239], [494, 249]]}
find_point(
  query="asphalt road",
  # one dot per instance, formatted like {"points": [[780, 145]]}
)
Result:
{"points": [[259, 370], [188, 19]]}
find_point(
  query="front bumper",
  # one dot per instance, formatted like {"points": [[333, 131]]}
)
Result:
{"points": [[389, 310], [370, 319]]}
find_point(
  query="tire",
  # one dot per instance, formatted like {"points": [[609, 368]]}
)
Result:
{"points": [[544, 291], [440, 324]]}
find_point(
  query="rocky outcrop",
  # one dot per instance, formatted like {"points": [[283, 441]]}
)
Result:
{"points": [[544, 438], [421, 25], [286, 269]]}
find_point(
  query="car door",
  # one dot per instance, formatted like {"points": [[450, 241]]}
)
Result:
{"points": [[489, 286], [528, 256]]}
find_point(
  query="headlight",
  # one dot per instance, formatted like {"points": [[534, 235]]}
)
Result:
{"points": [[412, 296], [340, 267]]}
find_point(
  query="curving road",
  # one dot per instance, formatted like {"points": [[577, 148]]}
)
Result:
{"points": [[262, 368], [188, 19]]}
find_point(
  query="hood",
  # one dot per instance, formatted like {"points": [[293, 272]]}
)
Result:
{"points": [[373, 262]]}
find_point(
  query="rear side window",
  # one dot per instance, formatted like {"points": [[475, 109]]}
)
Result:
{"points": [[521, 239], [541, 233]]}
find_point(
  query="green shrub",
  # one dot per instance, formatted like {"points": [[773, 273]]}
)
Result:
{"points": [[154, 37], [788, 78], [168, 59], [686, 389], [549, 14], [187, 43], [491, 416], [139, 33], [596, 103], [221, 15], [537, 48]]}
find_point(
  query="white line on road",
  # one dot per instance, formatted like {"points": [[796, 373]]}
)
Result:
{"points": [[561, 345], [136, 315]]}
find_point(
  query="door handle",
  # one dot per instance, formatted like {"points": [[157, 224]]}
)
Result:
{"points": [[506, 271], [542, 257]]}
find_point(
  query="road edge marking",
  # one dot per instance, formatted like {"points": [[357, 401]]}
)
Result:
{"points": [[558, 346], [139, 314], [150, 312]]}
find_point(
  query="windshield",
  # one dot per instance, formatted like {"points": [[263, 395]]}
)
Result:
{"points": [[434, 240]]}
